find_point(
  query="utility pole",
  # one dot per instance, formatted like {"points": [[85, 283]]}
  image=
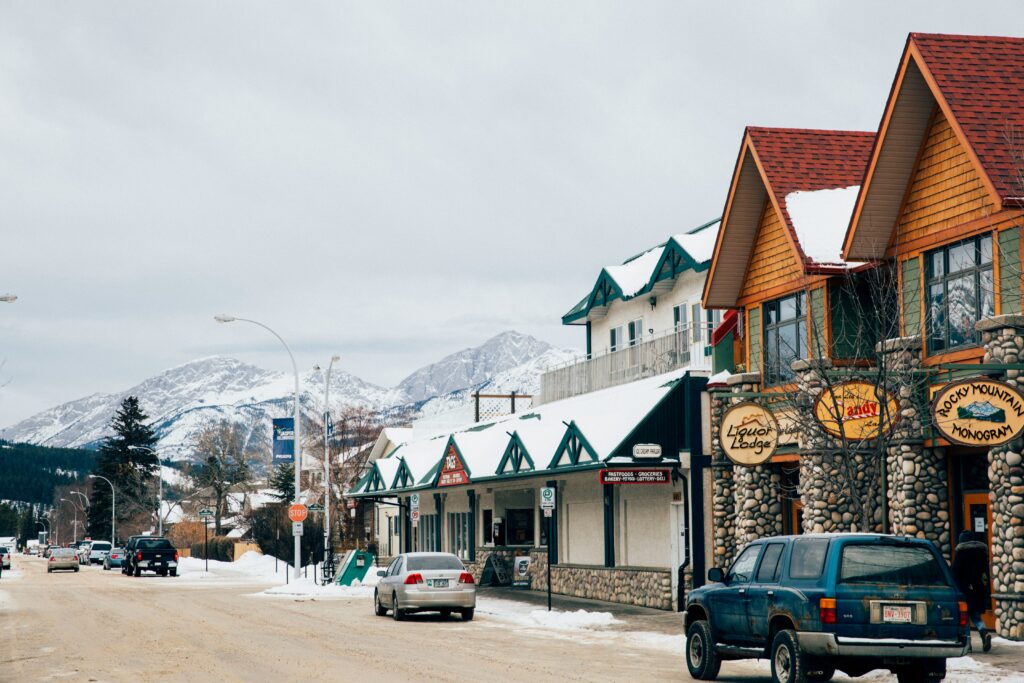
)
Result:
{"points": [[328, 548]]}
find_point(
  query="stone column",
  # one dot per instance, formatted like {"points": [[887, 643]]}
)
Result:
{"points": [[1003, 339], [917, 481], [723, 502]]}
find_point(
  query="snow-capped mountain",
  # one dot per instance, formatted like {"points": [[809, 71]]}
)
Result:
{"points": [[182, 400], [473, 367]]}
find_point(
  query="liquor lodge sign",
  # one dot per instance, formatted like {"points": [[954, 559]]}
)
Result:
{"points": [[978, 412], [749, 433], [856, 410]]}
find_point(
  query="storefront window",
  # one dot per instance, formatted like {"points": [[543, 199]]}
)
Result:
{"points": [[488, 527], [458, 532], [519, 527], [960, 292], [426, 533], [785, 337]]}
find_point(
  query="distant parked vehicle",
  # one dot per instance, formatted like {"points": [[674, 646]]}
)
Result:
{"points": [[83, 552], [62, 558], [5, 557], [150, 554], [425, 582], [115, 558], [98, 551], [820, 602]]}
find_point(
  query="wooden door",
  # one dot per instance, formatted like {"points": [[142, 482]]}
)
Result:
{"points": [[978, 518]]}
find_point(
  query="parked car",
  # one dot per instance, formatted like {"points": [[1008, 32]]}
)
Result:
{"points": [[98, 551], [62, 558], [425, 582], [83, 552], [150, 554], [5, 557], [816, 603], [115, 558]]}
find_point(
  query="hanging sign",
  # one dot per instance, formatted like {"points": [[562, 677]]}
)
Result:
{"points": [[634, 475], [856, 410], [979, 412], [647, 451], [749, 433], [453, 472], [284, 439]]}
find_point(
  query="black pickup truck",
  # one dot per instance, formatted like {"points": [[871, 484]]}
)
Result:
{"points": [[150, 554]]}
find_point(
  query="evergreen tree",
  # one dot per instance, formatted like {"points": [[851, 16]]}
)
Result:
{"points": [[129, 469], [283, 483], [27, 526]]}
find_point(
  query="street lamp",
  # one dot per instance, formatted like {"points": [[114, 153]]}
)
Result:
{"points": [[113, 507], [75, 508], [296, 433], [160, 476], [327, 457], [8, 298]]}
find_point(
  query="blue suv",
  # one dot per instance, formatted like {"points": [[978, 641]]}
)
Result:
{"points": [[820, 602]]}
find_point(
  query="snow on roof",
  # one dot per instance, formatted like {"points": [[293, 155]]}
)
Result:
{"points": [[634, 274], [719, 378], [820, 218], [388, 467], [699, 244]]}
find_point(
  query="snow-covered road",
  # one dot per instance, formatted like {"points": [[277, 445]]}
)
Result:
{"points": [[238, 622]]}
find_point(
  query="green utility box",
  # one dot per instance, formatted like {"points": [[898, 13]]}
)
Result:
{"points": [[356, 567]]}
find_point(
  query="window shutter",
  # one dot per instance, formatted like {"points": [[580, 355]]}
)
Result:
{"points": [[911, 297], [1009, 271], [754, 362]]}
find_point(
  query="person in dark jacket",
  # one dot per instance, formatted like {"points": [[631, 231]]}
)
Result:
{"points": [[971, 571]]}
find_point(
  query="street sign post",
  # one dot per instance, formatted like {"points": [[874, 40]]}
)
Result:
{"points": [[547, 504], [206, 512], [316, 507], [297, 512]]}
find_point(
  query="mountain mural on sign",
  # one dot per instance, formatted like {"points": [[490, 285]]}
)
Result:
{"points": [[981, 410], [183, 399]]}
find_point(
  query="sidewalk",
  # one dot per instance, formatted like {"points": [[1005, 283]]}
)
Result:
{"points": [[633, 618]]}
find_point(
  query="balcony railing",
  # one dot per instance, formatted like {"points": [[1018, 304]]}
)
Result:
{"points": [[652, 356]]}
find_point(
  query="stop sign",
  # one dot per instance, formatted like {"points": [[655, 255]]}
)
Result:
{"points": [[297, 512]]}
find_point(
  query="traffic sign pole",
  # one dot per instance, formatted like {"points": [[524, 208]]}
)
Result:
{"points": [[547, 504]]}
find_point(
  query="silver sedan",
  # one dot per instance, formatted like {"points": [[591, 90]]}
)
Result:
{"points": [[425, 582], [62, 558]]}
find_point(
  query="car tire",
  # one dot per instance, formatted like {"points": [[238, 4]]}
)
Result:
{"points": [[378, 609], [467, 614], [446, 614], [702, 660], [137, 572], [173, 572], [76, 569], [787, 659], [49, 571], [396, 614]]}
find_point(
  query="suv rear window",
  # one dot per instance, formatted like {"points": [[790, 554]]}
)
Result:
{"points": [[807, 560], [100, 546], [152, 544], [890, 564], [428, 562]]}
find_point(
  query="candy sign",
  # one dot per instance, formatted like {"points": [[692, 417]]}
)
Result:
{"points": [[856, 410]]}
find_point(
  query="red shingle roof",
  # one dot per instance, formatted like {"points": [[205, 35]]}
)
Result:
{"points": [[804, 159], [981, 78]]}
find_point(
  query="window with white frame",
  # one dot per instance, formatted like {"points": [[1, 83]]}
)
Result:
{"points": [[681, 317], [616, 340], [636, 331], [458, 533], [696, 318]]}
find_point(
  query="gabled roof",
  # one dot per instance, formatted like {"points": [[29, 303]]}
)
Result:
{"points": [[646, 272], [817, 170], [978, 83]]}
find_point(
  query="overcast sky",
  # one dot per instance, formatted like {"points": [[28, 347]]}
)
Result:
{"points": [[387, 181]]}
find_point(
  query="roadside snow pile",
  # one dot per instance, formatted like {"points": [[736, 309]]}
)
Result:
{"points": [[529, 616], [251, 565], [308, 589]]}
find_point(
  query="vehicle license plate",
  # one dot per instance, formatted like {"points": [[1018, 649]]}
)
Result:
{"points": [[158, 556], [440, 583], [896, 614]]}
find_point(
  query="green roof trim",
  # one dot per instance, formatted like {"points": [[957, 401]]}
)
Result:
{"points": [[436, 469], [674, 261], [575, 446], [403, 477], [375, 480], [515, 457]]}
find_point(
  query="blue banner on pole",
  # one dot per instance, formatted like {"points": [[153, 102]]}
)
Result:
{"points": [[284, 439]]}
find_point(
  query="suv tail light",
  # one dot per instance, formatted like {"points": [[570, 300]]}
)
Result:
{"points": [[138, 556], [827, 610], [54, 559], [465, 577], [413, 579], [175, 555], [962, 606]]}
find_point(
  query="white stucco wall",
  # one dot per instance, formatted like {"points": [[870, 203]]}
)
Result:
{"points": [[644, 529], [687, 290], [581, 521]]}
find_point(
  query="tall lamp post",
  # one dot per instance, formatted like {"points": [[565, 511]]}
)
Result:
{"points": [[8, 298], [160, 477], [327, 457], [74, 506], [113, 507], [297, 433]]}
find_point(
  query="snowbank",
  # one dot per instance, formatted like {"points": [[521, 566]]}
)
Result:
{"points": [[527, 615], [308, 589]]}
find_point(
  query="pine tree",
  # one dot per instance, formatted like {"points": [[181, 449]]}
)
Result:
{"points": [[129, 469], [283, 483]]}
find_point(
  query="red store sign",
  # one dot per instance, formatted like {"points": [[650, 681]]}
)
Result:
{"points": [[635, 475], [453, 472]]}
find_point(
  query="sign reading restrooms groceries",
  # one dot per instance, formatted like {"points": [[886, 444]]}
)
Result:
{"points": [[453, 471]]}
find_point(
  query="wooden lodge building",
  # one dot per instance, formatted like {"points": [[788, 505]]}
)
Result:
{"points": [[889, 260]]}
